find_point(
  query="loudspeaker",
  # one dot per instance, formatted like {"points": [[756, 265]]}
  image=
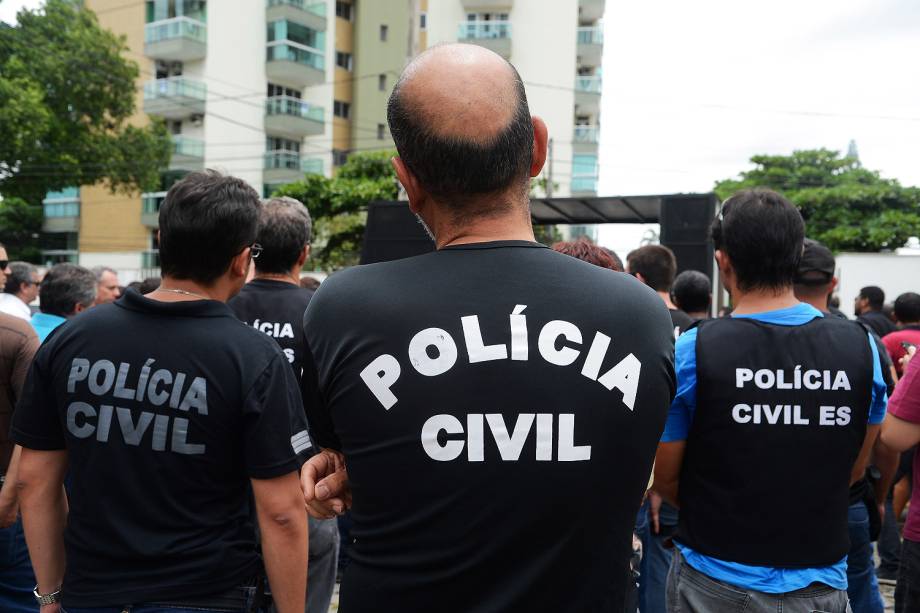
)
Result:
{"points": [[685, 222], [393, 233]]}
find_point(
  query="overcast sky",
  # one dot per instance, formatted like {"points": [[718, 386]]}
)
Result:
{"points": [[693, 89]]}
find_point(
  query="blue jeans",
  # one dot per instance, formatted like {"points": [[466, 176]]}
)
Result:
{"points": [[16, 577], [889, 543], [862, 582], [653, 571]]}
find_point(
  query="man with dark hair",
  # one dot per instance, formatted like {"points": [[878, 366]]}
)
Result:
{"points": [[870, 306], [166, 431], [655, 265], [692, 294], [777, 410], [483, 372], [274, 303], [907, 312], [66, 291], [20, 290], [814, 284]]}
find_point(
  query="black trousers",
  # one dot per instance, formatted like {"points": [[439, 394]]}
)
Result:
{"points": [[907, 592]]}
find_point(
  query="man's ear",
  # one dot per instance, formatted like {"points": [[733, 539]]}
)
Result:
{"points": [[303, 257], [540, 140], [239, 265], [410, 183]]}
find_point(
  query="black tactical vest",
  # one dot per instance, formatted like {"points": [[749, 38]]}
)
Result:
{"points": [[780, 418]]}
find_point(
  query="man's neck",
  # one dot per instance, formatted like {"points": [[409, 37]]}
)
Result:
{"points": [[698, 314], [180, 290], [761, 301], [512, 226], [21, 298], [666, 296], [292, 276], [819, 302]]}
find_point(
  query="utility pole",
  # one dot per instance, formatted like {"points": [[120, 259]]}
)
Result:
{"points": [[549, 174]]}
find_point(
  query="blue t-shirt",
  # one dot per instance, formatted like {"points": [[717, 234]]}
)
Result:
{"points": [[680, 416], [45, 323]]}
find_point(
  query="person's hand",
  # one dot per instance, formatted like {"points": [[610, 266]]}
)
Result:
{"points": [[324, 481], [881, 512], [905, 360], [654, 506], [9, 511]]}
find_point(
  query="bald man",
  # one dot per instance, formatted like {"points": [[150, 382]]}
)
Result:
{"points": [[497, 403]]}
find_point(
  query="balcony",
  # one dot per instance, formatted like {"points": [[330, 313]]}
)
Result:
{"points": [[584, 185], [590, 10], [585, 139], [187, 154], [150, 259], [293, 118], [150, 208], [588, 94], [494, 35], [590, 45], [283, 166], [175, 97], [294, 65], [308, 12], [180, 39], [62, 211]]}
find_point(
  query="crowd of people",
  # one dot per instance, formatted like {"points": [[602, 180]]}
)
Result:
{"points": [[508, 427]]}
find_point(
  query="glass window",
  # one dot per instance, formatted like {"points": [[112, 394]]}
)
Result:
{"points": [[381, 131], [341, 109], [343, 60], [295, 32], [423, 21], [339, 157], [343, 10], [384, 32], [382, 82]]}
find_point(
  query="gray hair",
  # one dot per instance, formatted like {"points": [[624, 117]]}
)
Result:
{"points": [[285, 228], [98, 271], [20, 272], [64, 287]]}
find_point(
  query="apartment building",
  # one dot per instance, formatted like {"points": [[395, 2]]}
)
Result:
{"points": [[307, 87]]}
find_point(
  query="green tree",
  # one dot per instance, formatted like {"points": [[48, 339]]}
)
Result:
{"points": [[20, 224], [845, 206], [338, 205], [66, 96]]}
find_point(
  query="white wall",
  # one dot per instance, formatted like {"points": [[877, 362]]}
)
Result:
{"points": [[895, 274], [543, 49]]}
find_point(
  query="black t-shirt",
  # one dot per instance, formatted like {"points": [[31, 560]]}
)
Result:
{"points": [[878, 321], [499, 406], [680, 320], [275, 308], [166, 411]]}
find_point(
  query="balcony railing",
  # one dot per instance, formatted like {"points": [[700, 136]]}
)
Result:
{"points": [[175, 87], [312, 166], [281, 159], [588, 84], [311, 6], [61, 208], [177, 27], [151, 202], [587, 134], [288, 105], [478, 30], [587, 183], [591, 35], [286, 50], [188, 147]]}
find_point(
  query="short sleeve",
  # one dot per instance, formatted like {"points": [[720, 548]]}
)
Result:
{"points": [[36, 421], [879, 388], [276, 439], [318, 416], [680, 414], [905, 402]]}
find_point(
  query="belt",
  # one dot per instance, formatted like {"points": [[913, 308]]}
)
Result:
{"points": [[249, 598]]}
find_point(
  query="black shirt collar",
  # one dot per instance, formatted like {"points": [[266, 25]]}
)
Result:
{"points": [[494, 245], [133, 301]]}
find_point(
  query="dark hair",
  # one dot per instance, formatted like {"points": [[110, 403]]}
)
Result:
{"points": [[20, 272], [617, 262], [284, 230], [762, 234], [656, 264], [692, 291], [308, 282], [585, 250], [907, 308], [148, 285], [874, 295], [64, 287], [453, 169], [206, 220]]}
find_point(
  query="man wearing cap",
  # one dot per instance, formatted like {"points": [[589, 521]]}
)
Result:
{"points": [[814, 283]]}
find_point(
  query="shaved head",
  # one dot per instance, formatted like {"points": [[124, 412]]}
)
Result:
{"points": [[460, 121]]}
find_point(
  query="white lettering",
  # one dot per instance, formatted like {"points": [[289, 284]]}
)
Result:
{"points": [[742, 408], [442, 341], [547, 342], [436, 424], [510, 447], [624, 377], [568, 451], [595, 359], [742, 376], [379, 376], [475, 347]]}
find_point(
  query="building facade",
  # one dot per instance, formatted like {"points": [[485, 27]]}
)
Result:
{"points": [[307, 88]]}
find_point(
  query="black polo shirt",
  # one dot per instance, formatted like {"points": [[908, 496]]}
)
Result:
{"points": [[166, 411]]}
